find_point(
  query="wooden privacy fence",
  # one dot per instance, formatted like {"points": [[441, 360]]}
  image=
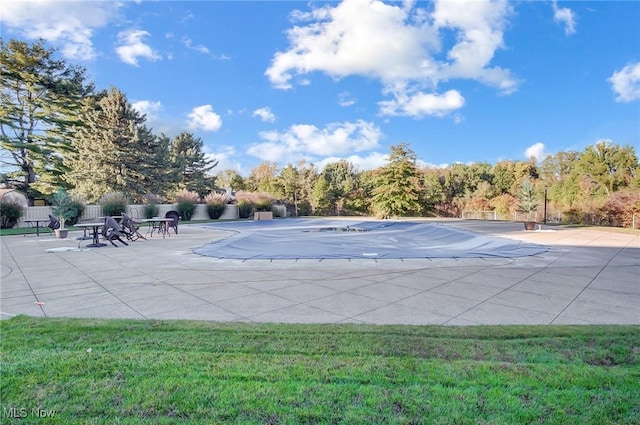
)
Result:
{"points": [[136, 211]]}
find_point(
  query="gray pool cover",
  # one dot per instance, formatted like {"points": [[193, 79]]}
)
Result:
{"points": [[342, 239]]}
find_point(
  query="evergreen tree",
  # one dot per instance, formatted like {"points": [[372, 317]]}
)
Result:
{"points": [[432, 191], [190, 165], [397, 191], [341, 181], [320, 198], [116, 152], [40, 101], [290, 182], [308, 175]]}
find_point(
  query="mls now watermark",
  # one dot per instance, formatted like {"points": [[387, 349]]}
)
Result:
{"points": [[23, 412]]}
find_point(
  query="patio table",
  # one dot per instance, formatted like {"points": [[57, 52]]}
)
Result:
{"points": [[95, 227], [37, 224], [161, 224]]}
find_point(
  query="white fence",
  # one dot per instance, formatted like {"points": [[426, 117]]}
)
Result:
{"points": [[136, 211]]}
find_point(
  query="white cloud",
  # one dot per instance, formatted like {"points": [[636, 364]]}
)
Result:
{"points": [[398, 44], [362, 163], [479, 27], [188, 43], [148, 108], [203, 118], [535, 151], [69, 25], [356, 37], [304, 141], [345, 99], [223, 155], [626, 83], [131, 47], [421, 104], [188, 17], [265, 114], [566, 16]]}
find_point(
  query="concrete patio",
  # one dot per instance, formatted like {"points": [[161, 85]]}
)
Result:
{"points": [[586, 276]]}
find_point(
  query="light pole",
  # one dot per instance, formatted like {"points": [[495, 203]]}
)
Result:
{"points": [[544, 219]]}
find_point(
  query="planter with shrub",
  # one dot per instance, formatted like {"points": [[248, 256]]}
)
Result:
{"points": [[65, 208], [151, 208], [528, 204], [263, 201], [245, 204], [216, 204], [186, 204]]}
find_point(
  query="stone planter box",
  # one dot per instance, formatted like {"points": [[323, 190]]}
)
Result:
{"points": [[262, 215]]}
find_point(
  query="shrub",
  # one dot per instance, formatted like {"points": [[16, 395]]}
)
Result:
{"points": [[245, 209], [620, 207], [114, 204], [10, 212], [150, 210], [185, 194], [245, 204], [263, 201], [186, 201], [186, 208], [78, 204], [215, 210], [573, 216], [64, 207], [216, 203], [279, 210]]}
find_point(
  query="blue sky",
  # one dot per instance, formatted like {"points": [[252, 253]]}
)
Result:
{"points": [[459, 81]]}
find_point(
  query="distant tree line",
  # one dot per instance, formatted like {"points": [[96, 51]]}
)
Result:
{"points": [[600, 185], [58, 132]]}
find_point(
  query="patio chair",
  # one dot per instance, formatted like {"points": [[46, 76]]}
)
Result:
{"points": [[175, 219], [112, 231], [54, 223], [130, 228]]}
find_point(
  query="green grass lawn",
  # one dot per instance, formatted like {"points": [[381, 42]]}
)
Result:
{"points": [[171, 372]]}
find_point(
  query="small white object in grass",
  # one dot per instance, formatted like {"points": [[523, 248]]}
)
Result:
{"points": [[88, 350]]}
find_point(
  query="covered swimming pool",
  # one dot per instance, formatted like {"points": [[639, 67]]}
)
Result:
{"points": [[352, 239]]}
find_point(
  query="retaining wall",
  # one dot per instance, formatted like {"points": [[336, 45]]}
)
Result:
{"points": [[135, 211]]}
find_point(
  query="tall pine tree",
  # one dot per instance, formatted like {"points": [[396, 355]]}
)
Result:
{"points": [[40, 100], [191, 167], [397, 185], [116, 152]]}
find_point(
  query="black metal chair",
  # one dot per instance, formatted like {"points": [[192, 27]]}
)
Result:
{"points": [[175, 217], [54, 223], [112, 231], [130, 228]]}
